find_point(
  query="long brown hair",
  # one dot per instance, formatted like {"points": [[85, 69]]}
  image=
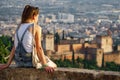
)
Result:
{"points": [[28, 13]]}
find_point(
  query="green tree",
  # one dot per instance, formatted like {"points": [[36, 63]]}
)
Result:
{"points": [[5, 47], [73, 57], [79, 60], [63, 36], [57, 38], [111, 66], [90, 64]]}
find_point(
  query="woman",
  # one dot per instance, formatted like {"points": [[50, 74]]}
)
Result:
{"points": [[29, 16]]}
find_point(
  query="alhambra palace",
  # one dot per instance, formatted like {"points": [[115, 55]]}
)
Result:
{"points": [[100, 49]]}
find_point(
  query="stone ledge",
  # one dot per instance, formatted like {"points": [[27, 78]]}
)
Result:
{"points": [[59, 74]]}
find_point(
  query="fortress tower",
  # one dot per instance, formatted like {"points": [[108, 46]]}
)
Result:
{"points": [[99, 57], [49, 42], [95, 54], [105, 42], [118, 47]]}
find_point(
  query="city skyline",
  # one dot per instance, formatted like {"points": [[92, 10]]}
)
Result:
{"points": [[82, 27], [87, 17]]}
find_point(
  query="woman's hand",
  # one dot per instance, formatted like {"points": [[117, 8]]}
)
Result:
{"points": [[49, 69], [3, 66]]}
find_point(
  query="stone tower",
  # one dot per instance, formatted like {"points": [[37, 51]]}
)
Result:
{"points": [[49, 42], [105, 42], [95, 54], [118, 48], [99, 57]]}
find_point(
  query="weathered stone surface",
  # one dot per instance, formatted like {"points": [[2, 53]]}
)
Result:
{"points": [[59, 74]]}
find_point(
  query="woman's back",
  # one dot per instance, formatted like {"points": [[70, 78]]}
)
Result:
{"points": [[23, 46], [27, 39]]}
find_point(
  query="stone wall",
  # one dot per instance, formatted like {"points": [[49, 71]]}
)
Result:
{"points": [[112, 57], [90, 45], [59, 74], [63, 48], [77, 47]]}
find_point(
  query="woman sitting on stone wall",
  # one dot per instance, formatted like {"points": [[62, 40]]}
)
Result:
{"points": [[28, 31]]}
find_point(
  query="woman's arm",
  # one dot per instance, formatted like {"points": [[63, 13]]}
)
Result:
{"points": [[40, 52], [39, 48], [3, 66], [11, 56]]}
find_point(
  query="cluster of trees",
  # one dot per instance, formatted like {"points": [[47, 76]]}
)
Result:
{"points": [[5, 47], [78, 63], [111, 66], [86, 64]]}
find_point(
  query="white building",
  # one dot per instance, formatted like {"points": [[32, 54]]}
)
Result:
{"points": [[66, 18]]}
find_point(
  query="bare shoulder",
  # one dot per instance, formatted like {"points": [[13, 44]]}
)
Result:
{"points": [[37, 28]]}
